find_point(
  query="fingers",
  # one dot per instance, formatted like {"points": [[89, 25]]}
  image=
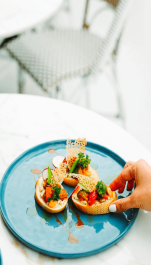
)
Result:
{"points": [[122, 205], [130, 184], [121, 189], [126, 175], [129, 163]]}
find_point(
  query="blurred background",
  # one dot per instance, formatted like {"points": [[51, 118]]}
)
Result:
{"points": [[94, 53]]}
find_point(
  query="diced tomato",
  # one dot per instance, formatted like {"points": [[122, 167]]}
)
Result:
{"points": [[92, 197], [65, 160], [106, 197], [72, 159], [49, 193]]}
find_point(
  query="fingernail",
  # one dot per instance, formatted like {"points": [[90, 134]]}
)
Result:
{"points": [[112, 208]]}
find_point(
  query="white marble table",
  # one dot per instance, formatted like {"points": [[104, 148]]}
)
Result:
{"points": [[24, 122], [17, 16]]}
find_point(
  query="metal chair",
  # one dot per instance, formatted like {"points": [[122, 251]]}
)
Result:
{"points": [[112, 4], [55, 55]]}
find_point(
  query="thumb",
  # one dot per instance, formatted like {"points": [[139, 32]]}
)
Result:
{"points": [[122, 205]]}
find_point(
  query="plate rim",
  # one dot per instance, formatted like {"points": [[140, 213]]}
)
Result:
{"points": [[42, 250]]}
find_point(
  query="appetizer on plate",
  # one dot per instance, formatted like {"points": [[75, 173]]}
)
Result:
{"points": [[49, 192], [76, 163], [92, 198]]}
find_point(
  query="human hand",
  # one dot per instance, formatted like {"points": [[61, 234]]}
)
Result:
{"points": [[134, 172]]}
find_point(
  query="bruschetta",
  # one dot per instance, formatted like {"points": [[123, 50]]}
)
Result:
{"points": [[95, 199], [49, 194], [75, 166]]}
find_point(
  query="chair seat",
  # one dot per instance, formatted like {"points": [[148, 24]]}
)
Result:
{"points": [[51, 56]]}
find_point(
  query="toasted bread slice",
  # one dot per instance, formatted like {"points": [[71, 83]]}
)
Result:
{"points": [[38, 197], [100, 208], [73, 181]]}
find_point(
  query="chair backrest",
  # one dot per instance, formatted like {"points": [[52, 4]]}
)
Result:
{"points": [[113, 3], [109, 43]]}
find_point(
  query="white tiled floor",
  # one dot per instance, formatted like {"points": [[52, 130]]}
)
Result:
{"points": [[134, 67]]}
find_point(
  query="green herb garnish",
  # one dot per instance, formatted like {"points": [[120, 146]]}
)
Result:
{"points": [[101, 188], [55, 196], [73, 166], [83, 161], [83, 187], [76, 170], [49, 176]]}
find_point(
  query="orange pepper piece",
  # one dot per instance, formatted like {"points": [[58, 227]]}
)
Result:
{"points": [[106, 197], [88, 173], [63, 194], [109, 192], [80, 170], [84, 172], [52, 204]]}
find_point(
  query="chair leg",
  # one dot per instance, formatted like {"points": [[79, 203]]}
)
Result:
{"points": [[67, 5], [86, 81], [21, 80], [55, 91], [121, 113], [82, 86]]}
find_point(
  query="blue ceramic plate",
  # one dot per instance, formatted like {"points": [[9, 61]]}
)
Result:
{"points": [[49, 233]]}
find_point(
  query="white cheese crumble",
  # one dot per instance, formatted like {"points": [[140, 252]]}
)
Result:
{"points": [[75, 197], [41, 188], [60, 202], [83, 202], [42, 193], [96, 203]]}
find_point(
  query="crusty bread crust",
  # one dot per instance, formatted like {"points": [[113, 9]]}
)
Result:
{"points": [[40, 201], [73, 182], [101, 208]]}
